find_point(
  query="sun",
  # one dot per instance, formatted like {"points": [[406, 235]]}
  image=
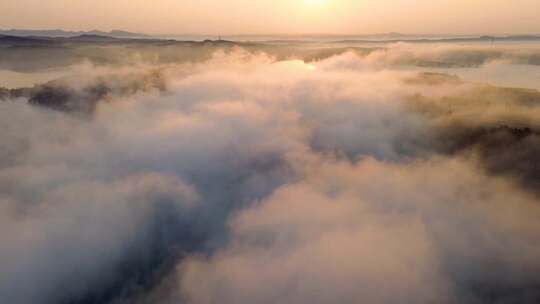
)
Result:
{"points": [[315, 2]]}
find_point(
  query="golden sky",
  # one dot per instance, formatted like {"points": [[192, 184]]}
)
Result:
{"points": [[276, 16]]}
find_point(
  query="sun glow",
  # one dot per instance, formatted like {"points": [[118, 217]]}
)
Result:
{"points": [[315, 2]]}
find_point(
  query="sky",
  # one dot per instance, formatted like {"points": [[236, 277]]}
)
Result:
{"points": [[276, 16]]}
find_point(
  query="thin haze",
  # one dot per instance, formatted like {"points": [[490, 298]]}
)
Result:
{"points": [[277, 16]]}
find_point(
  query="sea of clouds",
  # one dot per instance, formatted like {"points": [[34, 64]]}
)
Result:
{"points": [[246, 179]]}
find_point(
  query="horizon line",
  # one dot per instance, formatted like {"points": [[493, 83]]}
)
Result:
{"points": [[314, 34]]}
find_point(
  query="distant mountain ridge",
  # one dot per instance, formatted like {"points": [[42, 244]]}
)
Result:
{"points": [[119, 36], [493, 39], [63, 33]]}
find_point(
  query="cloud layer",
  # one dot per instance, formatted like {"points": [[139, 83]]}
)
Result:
{"points": [[247, 179]]}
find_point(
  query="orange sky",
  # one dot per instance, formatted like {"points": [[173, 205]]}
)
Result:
{"points": [[276, 16]]}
